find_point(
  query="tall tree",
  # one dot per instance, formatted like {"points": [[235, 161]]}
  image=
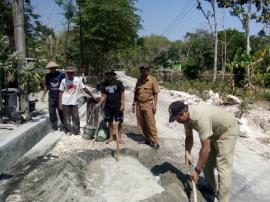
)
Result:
{"points": [[19, 33], [246, 11], [69, 7], [211, 17], [111, 26]]}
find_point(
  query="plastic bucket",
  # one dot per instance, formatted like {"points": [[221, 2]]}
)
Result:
{"points": [[89, 132], [102, 132], [101, 135]]}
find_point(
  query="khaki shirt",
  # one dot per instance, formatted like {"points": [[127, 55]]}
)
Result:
{"points": [[145, 90], [209, 121]]}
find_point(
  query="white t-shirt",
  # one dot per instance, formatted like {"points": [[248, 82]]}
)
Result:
{"points": [[71, 89]]}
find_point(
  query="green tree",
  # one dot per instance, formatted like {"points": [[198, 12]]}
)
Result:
{"points": [[211, 17], [110, 26], [69, 8], [246, 11], [198, 50]]}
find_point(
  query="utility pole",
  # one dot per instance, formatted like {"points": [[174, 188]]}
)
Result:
{"points": [[18, 18]]}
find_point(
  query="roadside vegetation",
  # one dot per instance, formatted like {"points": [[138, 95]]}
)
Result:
{"points": [[102, 34]]}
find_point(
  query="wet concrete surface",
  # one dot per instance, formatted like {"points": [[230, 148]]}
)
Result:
{"points": [[71, 178]]}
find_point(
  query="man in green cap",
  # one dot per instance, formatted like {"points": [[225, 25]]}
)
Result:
{"points": [[218, 130]]}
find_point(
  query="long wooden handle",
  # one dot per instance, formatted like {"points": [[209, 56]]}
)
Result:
{"points": [[194, 189], [117, 144]]}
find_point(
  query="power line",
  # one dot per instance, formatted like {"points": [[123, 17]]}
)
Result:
{"points": [[181, 18], [186, 13], [176, 17]]}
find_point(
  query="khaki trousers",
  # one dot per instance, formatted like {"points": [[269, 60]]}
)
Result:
{"points": [[147, 123], [221, 157]]}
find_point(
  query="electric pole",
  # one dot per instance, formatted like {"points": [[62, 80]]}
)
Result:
{"points": [[18, 18]]}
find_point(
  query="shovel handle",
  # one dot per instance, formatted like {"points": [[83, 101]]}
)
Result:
{"points": [[117, 144], [194, 189]]}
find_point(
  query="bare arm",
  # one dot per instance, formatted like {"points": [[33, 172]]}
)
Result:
{"points": [[203, 155], [122, 102], [155, 102], [204, 152], [102, 99], [88, 92], [188, 145], [45, 90], [134, 99], [60, 100], [189, 140]]}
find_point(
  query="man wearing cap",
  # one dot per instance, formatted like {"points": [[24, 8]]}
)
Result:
{"points": [[52, 84], [113, 95], [145, 104], [69, 94], [218, 130]]}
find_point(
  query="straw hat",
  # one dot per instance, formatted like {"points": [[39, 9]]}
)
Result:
{"points": [[51, 64]]}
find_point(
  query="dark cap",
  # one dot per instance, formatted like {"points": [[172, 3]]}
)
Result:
{"points": [[70, 69], [144, 66], [111, 71], [174, 109]]}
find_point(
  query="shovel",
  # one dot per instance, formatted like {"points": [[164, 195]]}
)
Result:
{"points": [[117, 144]]}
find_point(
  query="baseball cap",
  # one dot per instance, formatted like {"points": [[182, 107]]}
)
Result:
{"points": [[144, 66], [174, 109], [111, 71]]}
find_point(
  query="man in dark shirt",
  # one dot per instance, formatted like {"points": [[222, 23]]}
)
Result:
{"points": [[113, 95], [52, 84]]}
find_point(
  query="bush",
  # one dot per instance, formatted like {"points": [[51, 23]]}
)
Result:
{"points": [[191, 71], [266, 78], [266, 96], [133, 72]]}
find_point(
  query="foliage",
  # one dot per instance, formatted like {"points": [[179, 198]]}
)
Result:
{"points": [[31, 77], [198, 49], [8, 59], [110, 26], [245, 104], [246, 67], [133, 72], [267, 96], [266, 79], [35, 32], [233, 40], [191, 71], [247, 10]]}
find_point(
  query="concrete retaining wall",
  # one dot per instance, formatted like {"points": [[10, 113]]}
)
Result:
{"points": [[21, 141]]}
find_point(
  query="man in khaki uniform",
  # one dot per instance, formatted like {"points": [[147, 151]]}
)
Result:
{"points": [[145, 102], [218, 130]]}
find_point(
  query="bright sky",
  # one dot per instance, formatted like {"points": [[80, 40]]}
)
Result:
{"points": [[171, 18]]}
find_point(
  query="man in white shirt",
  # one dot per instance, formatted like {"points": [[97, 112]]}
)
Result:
{"points": [[69, 94]]}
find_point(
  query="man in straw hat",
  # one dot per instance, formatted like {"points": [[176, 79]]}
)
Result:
{"points": [[69, 94], [218, 130], [52, 84]]}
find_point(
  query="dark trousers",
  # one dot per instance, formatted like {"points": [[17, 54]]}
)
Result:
{"points": [[53, 106], [71, 114]]}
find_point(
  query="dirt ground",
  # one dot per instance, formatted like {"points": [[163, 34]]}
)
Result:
{"points": [[74, 169]]}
